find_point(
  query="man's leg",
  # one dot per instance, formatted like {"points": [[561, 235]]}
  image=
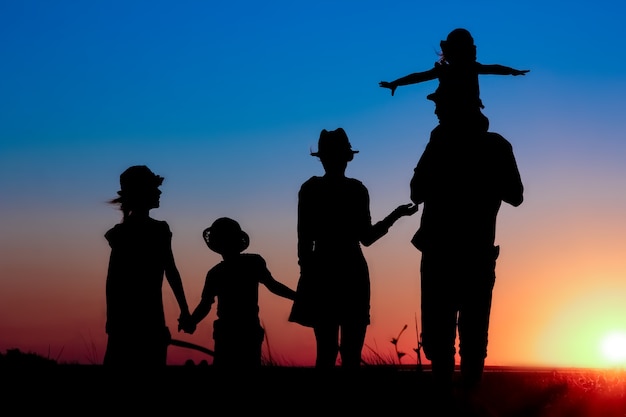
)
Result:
{"points": [[474, 322], [439, 314]]}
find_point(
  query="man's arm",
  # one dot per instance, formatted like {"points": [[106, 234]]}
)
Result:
{"points": [[512, 187], [420, 177]]}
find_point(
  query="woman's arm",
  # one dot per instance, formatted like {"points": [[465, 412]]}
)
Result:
{"points": [[381, 228]]}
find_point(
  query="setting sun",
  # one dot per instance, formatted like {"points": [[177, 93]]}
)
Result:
{"points": [[614, 347]]}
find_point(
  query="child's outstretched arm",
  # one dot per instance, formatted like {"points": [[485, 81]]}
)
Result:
{"points": [[416, 77], [496, 69]]}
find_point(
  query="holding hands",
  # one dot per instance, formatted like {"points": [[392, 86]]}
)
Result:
{"points": [[186, 323]]}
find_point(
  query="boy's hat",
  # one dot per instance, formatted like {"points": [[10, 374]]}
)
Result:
{"points": [[138, 178], [334, 143], [225, 235]]}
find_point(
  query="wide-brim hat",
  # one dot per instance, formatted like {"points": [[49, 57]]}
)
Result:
{"points": [[225, 235], [137, 179], [334, 144]]}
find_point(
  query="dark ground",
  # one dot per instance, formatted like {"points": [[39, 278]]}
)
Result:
{"points": [[91, 389]]}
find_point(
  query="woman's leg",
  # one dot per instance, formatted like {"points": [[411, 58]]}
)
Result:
{"points": [[352, 340], [327, 341]]}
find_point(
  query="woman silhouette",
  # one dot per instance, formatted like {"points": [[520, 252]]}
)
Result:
{"points": [[333, 293]]}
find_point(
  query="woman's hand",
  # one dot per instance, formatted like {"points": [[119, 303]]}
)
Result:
{"points": [[406, 210]]}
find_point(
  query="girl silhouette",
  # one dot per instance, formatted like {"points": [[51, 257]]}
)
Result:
{"points": [[141, 255], [457, 71]]}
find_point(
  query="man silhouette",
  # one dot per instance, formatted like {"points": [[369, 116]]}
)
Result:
{"points": [[462, 177]]}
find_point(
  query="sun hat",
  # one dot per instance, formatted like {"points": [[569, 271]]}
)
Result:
{"points": [[138, 178], [225, 234], [334, 143]]}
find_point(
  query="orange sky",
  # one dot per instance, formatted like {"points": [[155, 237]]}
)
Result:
{"points": [[227, 106], [555, 297]]}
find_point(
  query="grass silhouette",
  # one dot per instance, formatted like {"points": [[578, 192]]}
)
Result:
{"points": [[279, 387]]}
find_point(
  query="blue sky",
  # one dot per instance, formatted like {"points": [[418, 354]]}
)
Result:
{"points": [[226, 100]]}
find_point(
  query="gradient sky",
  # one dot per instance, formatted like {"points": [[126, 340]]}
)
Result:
{"points": [[227, 99]]}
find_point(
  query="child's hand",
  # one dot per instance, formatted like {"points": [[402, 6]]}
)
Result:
{"points": [[389, 85], [520, 72], [186, 324]]}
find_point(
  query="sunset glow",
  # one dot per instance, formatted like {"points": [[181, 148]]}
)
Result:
{"points": [[614, 347], [226, 100]]}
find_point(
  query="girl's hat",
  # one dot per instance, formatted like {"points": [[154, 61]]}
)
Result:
{"points": [[138, 178], [334, 143], [458, 41], [459, 37], [225, 235]]}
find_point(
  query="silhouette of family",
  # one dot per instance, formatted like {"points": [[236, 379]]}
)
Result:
{"points": [[461, 179]]}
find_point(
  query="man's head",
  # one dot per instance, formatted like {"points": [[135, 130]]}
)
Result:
{"points": [[454, 116]]}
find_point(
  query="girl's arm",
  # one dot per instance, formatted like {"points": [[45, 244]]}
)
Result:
{"points": [[173, 278], [415, 78], [496, 69]]}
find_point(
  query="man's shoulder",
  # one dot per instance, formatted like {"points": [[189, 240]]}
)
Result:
{"points": [[311, 182], [355, 182], [497, 139], [495, 136]]}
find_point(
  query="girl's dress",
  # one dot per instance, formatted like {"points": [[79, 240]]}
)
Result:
{"points": [[135, 321]]}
